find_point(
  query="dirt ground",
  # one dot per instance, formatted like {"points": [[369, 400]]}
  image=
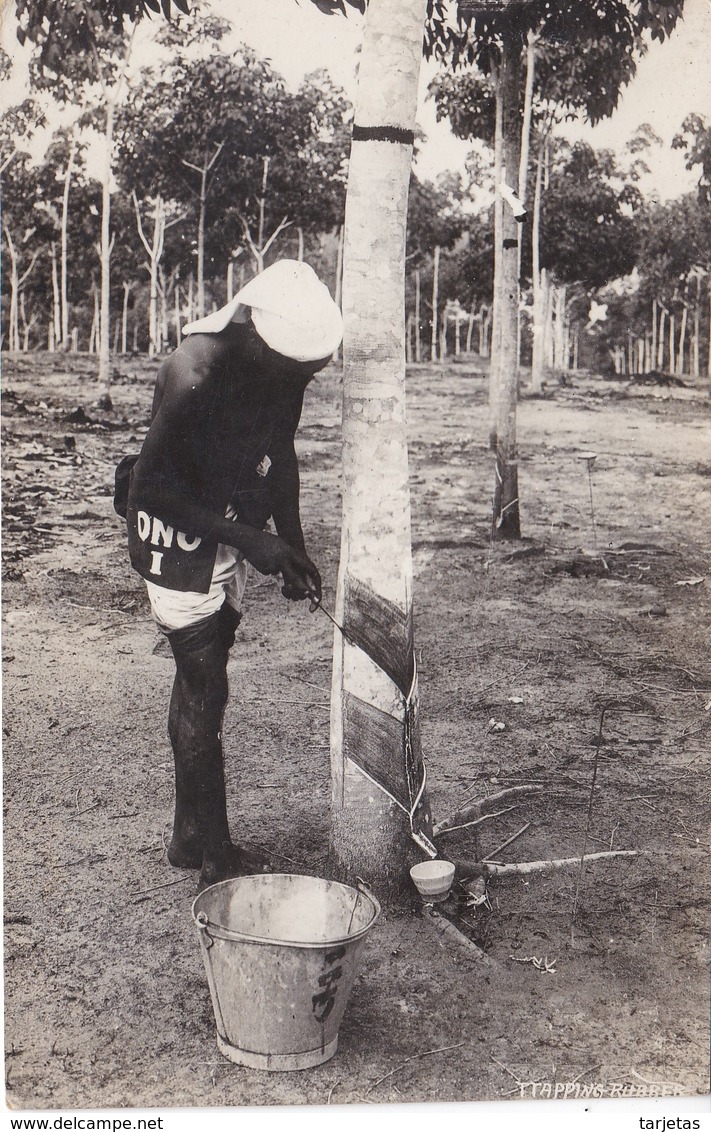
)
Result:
{"points": [[106, 999]]}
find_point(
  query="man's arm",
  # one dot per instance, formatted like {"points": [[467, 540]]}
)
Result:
{"points": [[184, 384], [284, 487]]}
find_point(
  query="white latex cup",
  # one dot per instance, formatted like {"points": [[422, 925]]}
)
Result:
{"points": [[433, 879]]}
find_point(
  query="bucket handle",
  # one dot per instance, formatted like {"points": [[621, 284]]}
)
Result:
{"points": [[202, 921], [364, 890]]}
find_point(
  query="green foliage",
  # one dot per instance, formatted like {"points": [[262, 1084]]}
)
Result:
{"points": [[331, 7], [468, 101], [17, 125], [695, 140], [63, 30], [434, 215], [587, 48], [674, 238], [208, 123], [588, 229]]}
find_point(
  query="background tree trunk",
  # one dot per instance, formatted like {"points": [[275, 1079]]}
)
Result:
{"points": [[495, 364], [124, 314], [435, 304], [64, 331], [539, 301], [695, 355], [418, 316], [506, 522], [682, 341], [202, 206], [56, 303], [338, 291], [484, 332], [104, 328], [470, 330], [559, 300], [176, 314], [660, 344], [370, 834], [13, 329]]}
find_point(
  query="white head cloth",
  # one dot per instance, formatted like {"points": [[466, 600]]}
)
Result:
{"points": [[292, 311]]}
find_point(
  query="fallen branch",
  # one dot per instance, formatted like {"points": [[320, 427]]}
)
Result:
{"points": [[451, 935], [525, 867], [157, 887], [588, 821], [425, 1053], [476, 821], [499, 848], [482, 807], [467, 870]]}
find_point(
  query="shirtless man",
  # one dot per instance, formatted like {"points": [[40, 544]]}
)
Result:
{"points": [[217, 463]]}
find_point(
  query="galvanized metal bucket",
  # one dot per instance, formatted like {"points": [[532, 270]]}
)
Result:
{"points": [[281, 954]]}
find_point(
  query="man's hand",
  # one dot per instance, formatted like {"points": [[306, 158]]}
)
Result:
{"points": [[297, 591], [270, 554]]}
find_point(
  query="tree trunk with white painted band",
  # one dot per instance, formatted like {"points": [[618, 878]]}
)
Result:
{"points": [[370, 832]]}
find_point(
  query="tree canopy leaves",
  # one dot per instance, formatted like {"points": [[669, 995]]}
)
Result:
{"points": [[586, 50], [694, 139]]}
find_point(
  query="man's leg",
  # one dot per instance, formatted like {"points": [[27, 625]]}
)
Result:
{"points": [[201, 835]]}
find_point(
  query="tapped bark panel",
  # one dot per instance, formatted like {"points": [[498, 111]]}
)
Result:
{"points": [[382, 630], [375, 742]]}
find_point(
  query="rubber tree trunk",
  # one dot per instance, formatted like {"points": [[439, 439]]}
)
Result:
{"points": [[371, 834], [154, 251], [708, 360], [56, 304], [202, 207], [484, 317], [695, 354], [124, 315], [495, 366], [176, 314], [660, 346], [13, 317], [524, 152], [682, 341], [539, 298], [338, 292], [418, 316], [435, 304], [471, 318], [106, 245], [64, 248], [155, 254], [506, 523], [559, 307]]}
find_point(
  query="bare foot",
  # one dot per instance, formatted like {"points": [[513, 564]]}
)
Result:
{"points": [[185, 849]]}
